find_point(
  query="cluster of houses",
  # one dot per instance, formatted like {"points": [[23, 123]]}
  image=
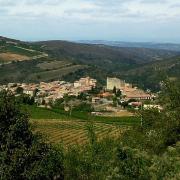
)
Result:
{"points": [[50, 91]]}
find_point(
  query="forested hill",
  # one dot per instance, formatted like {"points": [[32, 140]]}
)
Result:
{"points": [[142, 66], [107, 57], [150, 75]]}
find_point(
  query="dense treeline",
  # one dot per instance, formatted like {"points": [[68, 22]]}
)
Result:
{"points": [[147, 151]]}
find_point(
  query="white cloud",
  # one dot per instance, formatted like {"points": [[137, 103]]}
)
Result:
{"points": [[90, 18], [93, 10]]}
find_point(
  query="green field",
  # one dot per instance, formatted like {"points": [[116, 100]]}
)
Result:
{"points": [[59, 127], [20, 50], [43, 113]]}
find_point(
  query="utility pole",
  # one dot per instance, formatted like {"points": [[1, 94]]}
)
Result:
{"points": [[141, 115]]}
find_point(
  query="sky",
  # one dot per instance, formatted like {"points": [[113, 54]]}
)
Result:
{"points": [[114, 20]]}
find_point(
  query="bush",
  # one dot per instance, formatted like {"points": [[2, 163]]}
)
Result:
{"points": [[24, 154]]}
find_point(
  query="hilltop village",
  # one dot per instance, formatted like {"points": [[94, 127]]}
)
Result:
{"points": [[116, 95]]}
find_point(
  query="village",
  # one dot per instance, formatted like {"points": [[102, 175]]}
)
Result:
{"points": [[114, 99]]}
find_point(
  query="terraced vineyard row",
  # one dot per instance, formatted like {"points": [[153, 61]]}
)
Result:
{"points": [[74, 132]]}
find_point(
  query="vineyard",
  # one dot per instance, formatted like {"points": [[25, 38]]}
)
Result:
{"points": [[74, 132]]}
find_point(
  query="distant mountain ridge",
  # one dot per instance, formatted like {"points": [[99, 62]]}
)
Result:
{"points": [[151, 45]]}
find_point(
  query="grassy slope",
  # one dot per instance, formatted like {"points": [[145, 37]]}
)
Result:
{"points": [[43, 113]]}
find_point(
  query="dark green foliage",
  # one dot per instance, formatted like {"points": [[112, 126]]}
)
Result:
{"points": [[109, 159], [124, 104], [25, 99], [91, 161], [83, 107], [118, 93], [95, 90], [171, 95], [23, 155], [114, 90], [159, 129], [150, 76], [58, 104], [19, 90], [131, 164], [114, 101], [82, 96]]}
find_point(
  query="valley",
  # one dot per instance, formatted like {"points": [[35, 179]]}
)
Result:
{"points": [[62, 60], [89, 90]]}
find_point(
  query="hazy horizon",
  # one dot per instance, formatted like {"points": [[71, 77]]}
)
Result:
{"points": [[155, 21], [91, 40]]}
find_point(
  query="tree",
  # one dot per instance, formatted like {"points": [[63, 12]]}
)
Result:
{"points": [[36, 91], [118, 93], [25, 99], [59, 103], [85, 107], [130, 164], [114, 101], [124, 104], [19, 90], [24, 154], [43, 102], [114, 90], [159, 129], [170, 95], [82, 96], [170, 100]]}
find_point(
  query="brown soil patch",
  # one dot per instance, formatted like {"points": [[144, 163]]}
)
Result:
{"points": [[7, 57], [122, 113]]}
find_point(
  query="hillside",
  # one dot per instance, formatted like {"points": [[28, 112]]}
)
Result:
{"points": [[70, 61], [28, 62], [150, 75], [106, 57], [140, 66], [14, 50]]}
